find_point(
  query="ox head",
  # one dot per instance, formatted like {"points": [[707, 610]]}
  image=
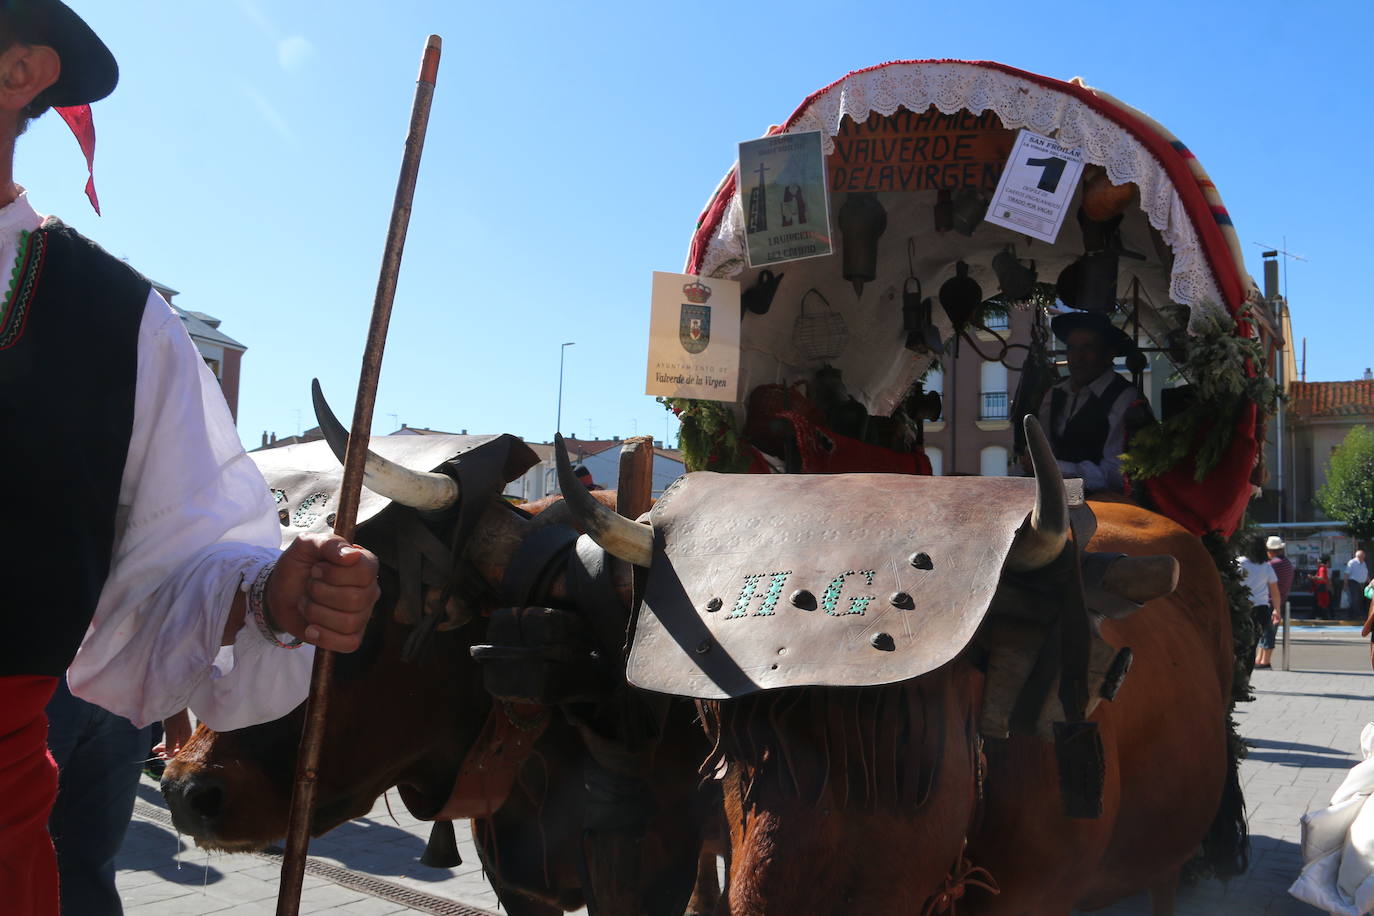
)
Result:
{"points": [[408, 707]]}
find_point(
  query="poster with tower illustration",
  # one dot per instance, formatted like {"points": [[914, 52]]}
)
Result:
{"points": [[785, 198]]}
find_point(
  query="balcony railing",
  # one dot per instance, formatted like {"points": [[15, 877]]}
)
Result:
{"points": [[994, 406]]}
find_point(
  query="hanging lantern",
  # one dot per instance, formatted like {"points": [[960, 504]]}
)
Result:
{"points": [[821, 334], [862, 221], [918, 320], [918, 314]]}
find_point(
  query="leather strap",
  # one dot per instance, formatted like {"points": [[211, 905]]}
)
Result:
{"points": [[538, 555], [493, 762]]}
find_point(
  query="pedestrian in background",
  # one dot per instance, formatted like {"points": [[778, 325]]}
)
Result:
{"points": [[1283, 571], [1263, 586], [1321, 585], [1356, 578]]}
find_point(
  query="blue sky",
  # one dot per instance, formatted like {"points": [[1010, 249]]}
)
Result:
{"points": [[249, 159]]}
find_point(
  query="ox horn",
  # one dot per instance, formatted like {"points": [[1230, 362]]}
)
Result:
{"points": [[1040, 543], [417, 489], [1141, 579], [615, 534]]}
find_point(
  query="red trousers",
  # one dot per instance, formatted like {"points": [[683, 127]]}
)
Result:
{"points": [[28, 787]]}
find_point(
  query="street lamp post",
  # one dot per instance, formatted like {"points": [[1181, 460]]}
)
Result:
{"points": [[558, 424]]}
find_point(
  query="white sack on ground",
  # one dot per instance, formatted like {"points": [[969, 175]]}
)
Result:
{"points": [[1338, 844]]}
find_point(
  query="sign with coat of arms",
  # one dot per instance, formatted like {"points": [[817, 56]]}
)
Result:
{"points": [[691, 355]]}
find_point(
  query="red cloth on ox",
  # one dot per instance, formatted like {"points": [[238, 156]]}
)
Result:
{"points": [[1214, 503], [28, 788]]}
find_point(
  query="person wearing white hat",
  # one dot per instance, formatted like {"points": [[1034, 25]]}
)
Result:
{"points": [[1283, 571]]}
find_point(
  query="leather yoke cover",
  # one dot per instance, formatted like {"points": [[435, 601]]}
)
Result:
{"points": [[761, 582], [305, 478]]}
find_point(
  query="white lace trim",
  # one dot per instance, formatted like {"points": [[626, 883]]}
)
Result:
{"points": [[951, 87]]}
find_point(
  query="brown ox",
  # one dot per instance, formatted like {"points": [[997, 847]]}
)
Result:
{"points": [[888, 799], [833, 804], [411, 723]]}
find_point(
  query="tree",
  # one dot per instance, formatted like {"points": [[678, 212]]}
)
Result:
{"points": [[1348, 494]]}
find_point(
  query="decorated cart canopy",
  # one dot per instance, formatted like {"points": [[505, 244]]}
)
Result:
{"points": [[913, 155]]}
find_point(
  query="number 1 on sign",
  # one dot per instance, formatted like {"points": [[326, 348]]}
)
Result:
{"points": [[1052, 169]]}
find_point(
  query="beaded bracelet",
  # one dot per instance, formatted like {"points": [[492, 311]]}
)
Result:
{"points": [[257, 603]]}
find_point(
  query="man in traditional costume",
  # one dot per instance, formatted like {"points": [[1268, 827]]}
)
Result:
{"points": [[141, 545], [1089, 414]]}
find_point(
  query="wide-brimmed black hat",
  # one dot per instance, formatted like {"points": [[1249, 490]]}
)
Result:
{"points": [[1065, 324], [89, 71]]}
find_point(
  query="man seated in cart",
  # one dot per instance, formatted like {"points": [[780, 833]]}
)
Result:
{"points": [[1090, 414]]}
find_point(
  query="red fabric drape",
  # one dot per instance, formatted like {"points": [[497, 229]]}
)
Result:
{"points": [[1209, 505], [28, 788]]}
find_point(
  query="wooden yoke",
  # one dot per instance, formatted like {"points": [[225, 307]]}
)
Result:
{"points": [[635, 488]]}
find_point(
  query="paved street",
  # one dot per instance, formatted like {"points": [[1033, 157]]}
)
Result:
{"points": [[1304, 727]]}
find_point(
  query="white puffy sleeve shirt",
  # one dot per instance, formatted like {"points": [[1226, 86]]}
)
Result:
{"points": [[196, 523]]}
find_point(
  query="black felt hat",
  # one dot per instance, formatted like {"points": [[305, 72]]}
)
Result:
{"points": [[89, 71], [1065, 324]]}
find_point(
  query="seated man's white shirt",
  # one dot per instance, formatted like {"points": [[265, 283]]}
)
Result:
{"points": [[196, 523], [1097, 475]]}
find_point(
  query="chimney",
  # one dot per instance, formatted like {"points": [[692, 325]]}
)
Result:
{"points": [[403, 426], [1368, 375], [463, 433], [1271, 275], [274, 439], [264, 438]]}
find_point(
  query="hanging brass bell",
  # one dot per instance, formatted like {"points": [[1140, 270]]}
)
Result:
{"points": [[1016, 279], [862, 221]]}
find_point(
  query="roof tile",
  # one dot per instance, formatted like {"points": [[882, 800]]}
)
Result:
{"points": [[1332, 399]]}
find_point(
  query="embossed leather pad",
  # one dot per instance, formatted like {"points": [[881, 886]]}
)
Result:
{"points": [[721, 617]]}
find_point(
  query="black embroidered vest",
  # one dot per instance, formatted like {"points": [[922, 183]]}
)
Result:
{"points": [[68, 365], [1086, 432]]}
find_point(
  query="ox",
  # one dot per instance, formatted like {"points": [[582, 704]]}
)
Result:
{"points": [[412, 709], [851, 788]]}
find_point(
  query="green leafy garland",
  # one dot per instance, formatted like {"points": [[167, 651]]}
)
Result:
{"points": [[1243, 634], [708, 438], [1214, 361]]}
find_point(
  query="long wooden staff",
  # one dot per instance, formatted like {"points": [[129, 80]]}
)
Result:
{"points": [[317, 705]]}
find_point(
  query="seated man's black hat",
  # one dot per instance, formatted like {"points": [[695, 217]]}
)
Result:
{"points": [[89, 71], [1065, 324]]}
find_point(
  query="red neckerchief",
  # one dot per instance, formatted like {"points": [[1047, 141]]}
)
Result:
{"points": [[79, 119]]}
